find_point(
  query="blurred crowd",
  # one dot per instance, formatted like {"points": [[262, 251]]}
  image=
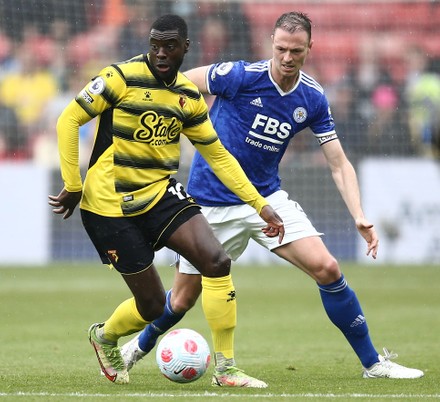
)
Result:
{"points": [[50, 49]]}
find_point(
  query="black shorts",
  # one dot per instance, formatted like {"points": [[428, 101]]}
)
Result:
{"points": [[128, 243]]}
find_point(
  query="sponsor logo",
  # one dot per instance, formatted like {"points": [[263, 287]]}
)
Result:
{"points": [[113, 377], [157, 130], [326, 138], [147, 96], [257, 102], [86, 96], [270, 129], [231, 295], [266, 130], [360, 319]]}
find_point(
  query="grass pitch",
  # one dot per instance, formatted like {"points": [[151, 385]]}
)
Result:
{"points": [[283, 336]]}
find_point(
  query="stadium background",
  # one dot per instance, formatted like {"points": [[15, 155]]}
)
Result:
{"points": [[379, 62]]}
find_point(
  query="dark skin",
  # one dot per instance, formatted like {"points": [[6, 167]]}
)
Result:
{"points": [[194, 239], [167, 50]]}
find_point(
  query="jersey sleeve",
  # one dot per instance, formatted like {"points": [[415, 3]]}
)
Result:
{"points": [[68, 125], [104, 91], [229, 171], [323, 126], [225, 79]]}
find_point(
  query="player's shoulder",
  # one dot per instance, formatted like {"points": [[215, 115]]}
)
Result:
{"points": [[256, 67], [187, 87], [238, 67], [256, 74], [311, 84]]}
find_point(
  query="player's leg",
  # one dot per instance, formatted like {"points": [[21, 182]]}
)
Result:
{"points": [[191, 236], [126, 319], [196, 243], [339, 301], [303, 248], [175, 213], [342, 305], [219, 307], [181, 298], [186, 231], [120, 243], [183, 295], [186, 289], [229, 227]]}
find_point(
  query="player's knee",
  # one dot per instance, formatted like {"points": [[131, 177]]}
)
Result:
{"points": [[329, 272], [184, 303], [219, 266], [222, 266]]}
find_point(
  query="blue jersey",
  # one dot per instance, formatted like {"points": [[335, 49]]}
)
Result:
{"points": [[255, 121]]}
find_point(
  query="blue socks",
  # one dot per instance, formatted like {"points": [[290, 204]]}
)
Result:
{"points": [[148, 337], [343, 308], [340, 303]]}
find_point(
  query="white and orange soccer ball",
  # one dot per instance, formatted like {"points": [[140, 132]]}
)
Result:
{"points": [[183, 355]]}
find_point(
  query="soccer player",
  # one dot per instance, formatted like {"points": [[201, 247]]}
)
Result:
{"points": [[258, 109], [130, 206]]}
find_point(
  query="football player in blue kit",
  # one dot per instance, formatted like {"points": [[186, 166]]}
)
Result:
{"points": [[259, 107]]}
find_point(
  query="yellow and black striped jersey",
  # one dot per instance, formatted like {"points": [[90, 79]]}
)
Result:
{"points": [[137, 139]]}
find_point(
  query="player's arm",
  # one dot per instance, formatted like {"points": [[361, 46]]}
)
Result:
{"points": [[346, 181], [96, 97], [198, 76], [229, 171], [68, 126]]}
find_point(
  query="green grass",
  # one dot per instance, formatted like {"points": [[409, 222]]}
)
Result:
{"points": [[283, 336]]}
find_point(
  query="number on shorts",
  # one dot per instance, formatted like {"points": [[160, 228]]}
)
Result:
{"points": [[178, 191]]}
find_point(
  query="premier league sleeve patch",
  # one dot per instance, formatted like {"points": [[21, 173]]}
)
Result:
{"points": [[97, 86], [222, 69]]}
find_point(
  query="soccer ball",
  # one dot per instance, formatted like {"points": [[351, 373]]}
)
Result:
{"points": [[183, 355]]}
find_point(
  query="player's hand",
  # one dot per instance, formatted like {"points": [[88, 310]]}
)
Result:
{"points": [[275, 225], [65, 202], [366, 229]]}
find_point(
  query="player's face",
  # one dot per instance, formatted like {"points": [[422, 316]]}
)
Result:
{"points": [[167, 50], [290, 51]]}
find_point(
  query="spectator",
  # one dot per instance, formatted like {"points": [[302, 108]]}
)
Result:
{"points": [[17, 15], [7, 61], [28, 89], [351, 125], [131, 40], [12, 137], [59, 61], [387, 133], [423, 99], [44, 140], [213, 27]]}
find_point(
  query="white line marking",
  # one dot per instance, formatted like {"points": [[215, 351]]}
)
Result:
{"points": [[224, 395]]}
